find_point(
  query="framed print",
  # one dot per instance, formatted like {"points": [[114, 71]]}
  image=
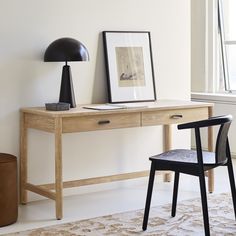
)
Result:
{"points": [[129, 66]]}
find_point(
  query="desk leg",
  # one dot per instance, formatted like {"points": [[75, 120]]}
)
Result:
{"points": [[58, 168], [23, 159], [167, 147], [210, 148]]}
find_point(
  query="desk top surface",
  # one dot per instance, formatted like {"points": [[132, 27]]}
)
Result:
{"points": [[149, 106]]}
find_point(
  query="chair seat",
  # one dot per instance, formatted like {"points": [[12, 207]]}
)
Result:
{"points": [[184, 156]]}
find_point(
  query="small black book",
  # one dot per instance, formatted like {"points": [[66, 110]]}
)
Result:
{"points": [[59, 106]]}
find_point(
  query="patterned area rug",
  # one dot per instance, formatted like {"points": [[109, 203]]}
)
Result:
{"points": [[188, 221]]}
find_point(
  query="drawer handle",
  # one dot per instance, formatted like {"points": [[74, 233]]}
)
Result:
{"points": [[176, 116], [103, 122]]}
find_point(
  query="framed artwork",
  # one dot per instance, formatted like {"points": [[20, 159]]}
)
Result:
{"points": [[129, 66]]}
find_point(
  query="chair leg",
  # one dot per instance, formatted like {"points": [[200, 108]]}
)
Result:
{"points": [[232, 183], [175, 194], [149, 196], [204, 203]]}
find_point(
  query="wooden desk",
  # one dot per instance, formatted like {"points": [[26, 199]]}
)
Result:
{"points": [[162, 112]]}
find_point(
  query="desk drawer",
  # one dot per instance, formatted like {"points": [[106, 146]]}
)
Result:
{"points": [[100, 122], [174, 116]]}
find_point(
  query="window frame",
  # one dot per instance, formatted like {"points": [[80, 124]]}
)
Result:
{"points": [[223, 51]]}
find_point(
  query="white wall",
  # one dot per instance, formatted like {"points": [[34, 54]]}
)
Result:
{"points": [[28, 26], [198, 69], [204, 54]]}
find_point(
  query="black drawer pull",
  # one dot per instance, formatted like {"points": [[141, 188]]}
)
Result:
{"points": [[103, 122], [176, 116]]}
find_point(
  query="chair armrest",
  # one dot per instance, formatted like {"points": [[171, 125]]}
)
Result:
{"points": [[207, 122]]}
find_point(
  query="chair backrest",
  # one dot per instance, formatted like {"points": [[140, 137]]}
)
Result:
{"points": [[222, 138], [222, 150]]}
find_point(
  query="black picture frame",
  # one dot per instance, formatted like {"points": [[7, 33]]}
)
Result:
{"points": [[129, 66]]}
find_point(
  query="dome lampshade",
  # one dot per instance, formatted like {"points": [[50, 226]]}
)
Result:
{"points": [[66, 49]]}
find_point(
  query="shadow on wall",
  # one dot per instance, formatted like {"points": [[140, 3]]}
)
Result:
{"points": [[99, 91]]}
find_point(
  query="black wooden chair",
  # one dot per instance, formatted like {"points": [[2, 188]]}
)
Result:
{"points": [[195, 163]]}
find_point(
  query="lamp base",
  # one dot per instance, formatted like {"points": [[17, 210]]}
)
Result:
{"points": [[67, 91]]}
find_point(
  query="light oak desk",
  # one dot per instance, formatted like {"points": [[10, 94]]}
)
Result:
{"points": [[162, 112]]}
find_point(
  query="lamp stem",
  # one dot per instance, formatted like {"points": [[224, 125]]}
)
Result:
{"points": [[67, 90]]}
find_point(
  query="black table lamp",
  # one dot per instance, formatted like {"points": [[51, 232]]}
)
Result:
{"points": [[66, 49]]}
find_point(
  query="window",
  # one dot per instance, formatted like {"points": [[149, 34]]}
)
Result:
{"points": [[227, 34]]}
